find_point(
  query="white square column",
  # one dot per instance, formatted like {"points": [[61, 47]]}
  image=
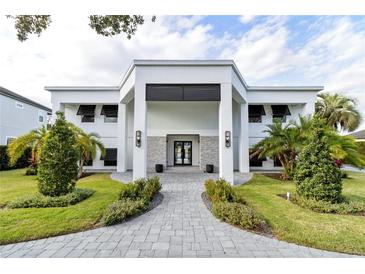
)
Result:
{"points": [[140, 123], [244, 160], [122, 138], [225, 124]]}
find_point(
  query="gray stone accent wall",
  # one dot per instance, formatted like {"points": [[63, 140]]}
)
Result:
{"points": [[209, 152], [156, 152]]}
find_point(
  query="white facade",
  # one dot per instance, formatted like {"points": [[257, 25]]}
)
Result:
{"points": [[19, 115], [165, 123]]}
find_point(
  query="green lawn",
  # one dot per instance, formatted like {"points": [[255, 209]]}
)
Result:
{"points": [[18, 225], [342, 233]]}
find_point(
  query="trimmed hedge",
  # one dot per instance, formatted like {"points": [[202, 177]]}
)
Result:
{"points": [[133, 199], [122, 209], [143, 189], [227, 207], [237, 214], [40, 201], [345, 207], [21, 163]]}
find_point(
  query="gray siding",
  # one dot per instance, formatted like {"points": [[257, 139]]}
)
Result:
{"points": [[16, 121]]}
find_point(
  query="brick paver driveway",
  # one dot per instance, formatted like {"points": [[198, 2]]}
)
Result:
{"points": [[180, 226]]}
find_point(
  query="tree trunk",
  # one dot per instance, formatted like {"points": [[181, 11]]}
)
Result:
{"points": [[81, 171]]}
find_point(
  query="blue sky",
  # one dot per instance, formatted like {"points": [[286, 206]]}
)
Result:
{"points": [[269, 50]]}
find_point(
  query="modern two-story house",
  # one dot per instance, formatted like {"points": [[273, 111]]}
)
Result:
{"points": [[19, 115], [181, 113]]}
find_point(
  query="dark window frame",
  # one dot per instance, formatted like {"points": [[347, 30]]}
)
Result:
{"points": [[87, 118], [183, 92]]}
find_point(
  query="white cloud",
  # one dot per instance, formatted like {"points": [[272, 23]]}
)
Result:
{"points": [[244, 19], [70, 52]]}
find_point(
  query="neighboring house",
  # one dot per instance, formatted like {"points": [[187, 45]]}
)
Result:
{"points": [[19, 115], [359, 135], [181, 112]]}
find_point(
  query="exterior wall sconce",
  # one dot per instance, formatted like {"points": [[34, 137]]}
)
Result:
{"points": [[138, 138], [228, 138]]}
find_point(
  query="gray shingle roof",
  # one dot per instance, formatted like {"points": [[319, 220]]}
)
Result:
{"points": [[15, 96], [359, 134]]}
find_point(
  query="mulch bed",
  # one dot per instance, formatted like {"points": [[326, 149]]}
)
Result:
{"points": [[263, 230]]}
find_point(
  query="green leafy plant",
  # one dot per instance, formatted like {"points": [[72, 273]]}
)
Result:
{"points": [[339, 111], [21, 162], [237, 214], [118, 211], [30, 171], [39, 200], [57, 170], [144, 189], [219, 191], [344, 207], [317, 176]]}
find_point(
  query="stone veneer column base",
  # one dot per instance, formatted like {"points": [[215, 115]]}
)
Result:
{"points": [[209, 152], [156, 152]]}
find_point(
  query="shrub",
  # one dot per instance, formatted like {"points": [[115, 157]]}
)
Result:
{"points": [[57, 169], [22, 162], [345, 207], [39, 200], [237, 214], [31, 171], [219, 191], [141, 189], [152, 187], [122, 209], [316, 175]]}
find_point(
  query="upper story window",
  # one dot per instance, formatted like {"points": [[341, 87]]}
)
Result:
{"points": [[255, 113], [279, 113], [110, 113], [87, 113], [19, 105], [40, 117]]}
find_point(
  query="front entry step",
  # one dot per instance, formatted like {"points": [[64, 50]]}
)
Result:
{"points": [[183, 169]]}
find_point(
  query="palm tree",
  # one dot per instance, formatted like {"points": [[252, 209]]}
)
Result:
{"points": [[282, 143], [339, 111], [87, 144], [33, 140]]}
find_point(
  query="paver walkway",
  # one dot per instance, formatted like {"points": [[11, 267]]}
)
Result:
{"points": [[181, 226]]}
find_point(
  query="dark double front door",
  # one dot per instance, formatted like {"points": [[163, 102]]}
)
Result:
{"points": [[182, 153]]}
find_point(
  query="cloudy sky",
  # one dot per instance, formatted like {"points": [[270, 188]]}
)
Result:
{"points": [[280, 50]]}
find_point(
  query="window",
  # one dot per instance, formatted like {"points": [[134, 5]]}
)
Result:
{"points": [[277, 163], [110, 113], [255, 161], [87, 113], [110, 157], [40, 118], [9, 139], [255, 113], [88, 162], [87, 119], [279, 113], [19, 105]]}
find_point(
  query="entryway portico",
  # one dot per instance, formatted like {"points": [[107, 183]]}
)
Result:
{"points": [[212, 95]]}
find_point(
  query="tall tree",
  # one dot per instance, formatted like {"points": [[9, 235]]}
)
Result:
{"points": [[106, 25], [57, 168], [339, 111]]}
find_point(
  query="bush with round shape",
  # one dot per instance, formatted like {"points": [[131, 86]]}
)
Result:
{"points": [[219, 191], [57, 170], [316, 175]]}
